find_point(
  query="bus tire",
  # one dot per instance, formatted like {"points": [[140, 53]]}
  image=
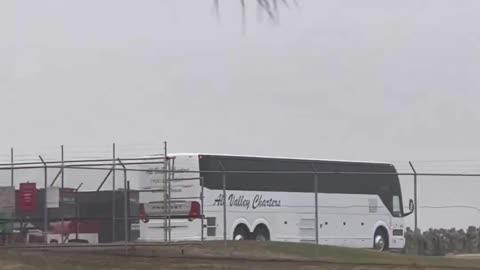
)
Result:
{"points": [[241, 232], [380, 239], [261, 233]]}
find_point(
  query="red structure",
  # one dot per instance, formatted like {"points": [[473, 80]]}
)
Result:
{"points": [[28, 197], [74, 227]]}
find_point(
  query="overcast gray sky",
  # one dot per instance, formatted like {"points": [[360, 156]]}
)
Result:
{"points": [[369, 80], [381, 80]]}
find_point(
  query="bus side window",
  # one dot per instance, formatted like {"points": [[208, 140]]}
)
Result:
{"points": [[211, 226], [396, 206]]}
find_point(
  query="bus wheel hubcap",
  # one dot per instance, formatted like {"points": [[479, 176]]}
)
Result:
{"points": [[379, 242], [239, 237], [260, 237]]}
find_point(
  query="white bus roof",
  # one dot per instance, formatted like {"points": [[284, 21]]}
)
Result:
{"points": [[270, 157]]}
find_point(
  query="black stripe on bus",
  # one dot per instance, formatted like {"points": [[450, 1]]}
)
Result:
{"points": [[385, 186]]}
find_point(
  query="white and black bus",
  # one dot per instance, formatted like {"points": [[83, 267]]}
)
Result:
{"points": [[274, 199]]}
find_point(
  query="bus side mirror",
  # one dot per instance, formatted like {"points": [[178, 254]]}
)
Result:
{"points": [[411, 205]]}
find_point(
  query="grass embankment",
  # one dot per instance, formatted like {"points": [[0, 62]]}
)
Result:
{"points": [[237, 255]]}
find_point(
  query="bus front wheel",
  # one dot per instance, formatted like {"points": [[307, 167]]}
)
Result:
{"points": [[261, 233], [380, 239]]}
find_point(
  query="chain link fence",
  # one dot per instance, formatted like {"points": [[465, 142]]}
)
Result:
{"points": [[152, 200]]}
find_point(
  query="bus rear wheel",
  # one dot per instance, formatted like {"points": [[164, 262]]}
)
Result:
{"points": [[261, 233]]}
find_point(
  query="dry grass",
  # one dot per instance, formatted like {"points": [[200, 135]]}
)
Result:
{"points": [[213, 255]]}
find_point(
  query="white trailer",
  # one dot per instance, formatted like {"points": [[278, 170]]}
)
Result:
{"points": [[274, 199]]}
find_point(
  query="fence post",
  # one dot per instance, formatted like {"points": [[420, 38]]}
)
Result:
{"points": [[316, 209], [125, 204], [114, 197], [62, 192], [414, 195], [224, 184], [165, 192], [45, 208], [63, 165], [202, 215], [77, 210], [12, 174], [12, 179], [171, 178], [129, 234]]}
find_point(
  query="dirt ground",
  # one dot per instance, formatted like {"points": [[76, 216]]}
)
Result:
{"points": [[237, 255]]}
